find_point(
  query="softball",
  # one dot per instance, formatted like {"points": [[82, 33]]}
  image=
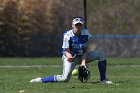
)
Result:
{"points": [[75, 72]]}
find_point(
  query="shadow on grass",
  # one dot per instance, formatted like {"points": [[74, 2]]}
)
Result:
{"points": [[95, 82]]}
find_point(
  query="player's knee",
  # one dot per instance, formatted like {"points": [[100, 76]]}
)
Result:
{"points": [[63, 78], [66, 78], [102, 56]]}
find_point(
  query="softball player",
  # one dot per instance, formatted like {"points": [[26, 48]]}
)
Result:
{"points": [[74, 49]]}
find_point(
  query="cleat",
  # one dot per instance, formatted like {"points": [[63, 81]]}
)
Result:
{"points": [[106, 82], [35, 80]]}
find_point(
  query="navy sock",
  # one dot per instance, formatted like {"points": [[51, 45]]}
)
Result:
{"points": [[49, 79], [102, 69]]}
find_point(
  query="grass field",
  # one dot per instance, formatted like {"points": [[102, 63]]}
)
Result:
{"points": [[124, 72]]}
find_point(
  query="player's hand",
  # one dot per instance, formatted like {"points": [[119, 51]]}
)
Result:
{"points": [[83, 63], [71, 59]]}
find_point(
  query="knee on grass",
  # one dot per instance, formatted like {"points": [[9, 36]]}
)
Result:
{"points": [[63, 78]]}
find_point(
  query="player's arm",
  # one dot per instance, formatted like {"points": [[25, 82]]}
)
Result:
{"points": [[84, 56], [66, 50], [69, 56]]}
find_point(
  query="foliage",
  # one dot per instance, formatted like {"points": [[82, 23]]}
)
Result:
{"points": [[27, 26]]}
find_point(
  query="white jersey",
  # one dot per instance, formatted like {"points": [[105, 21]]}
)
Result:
{"points": [[76, 44]]}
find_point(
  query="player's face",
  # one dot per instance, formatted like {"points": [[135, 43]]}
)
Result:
{"points": [[77, 28]]}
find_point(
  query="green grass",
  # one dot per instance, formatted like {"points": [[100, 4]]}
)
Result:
{"points": [[12, 80]]}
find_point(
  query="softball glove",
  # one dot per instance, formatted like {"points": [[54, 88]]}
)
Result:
{"points": [[84, 73]]}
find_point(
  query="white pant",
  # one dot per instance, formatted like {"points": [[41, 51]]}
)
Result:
{"points": [[69, 66]]}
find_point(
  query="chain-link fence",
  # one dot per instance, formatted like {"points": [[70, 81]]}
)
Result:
{"points": [[33, 28]]}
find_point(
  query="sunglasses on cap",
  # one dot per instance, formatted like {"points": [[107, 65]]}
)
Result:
{"points": [[78, 20]]}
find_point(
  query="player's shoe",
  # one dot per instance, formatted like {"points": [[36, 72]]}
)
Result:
{"points": [[106, 82], [35, 80]]}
